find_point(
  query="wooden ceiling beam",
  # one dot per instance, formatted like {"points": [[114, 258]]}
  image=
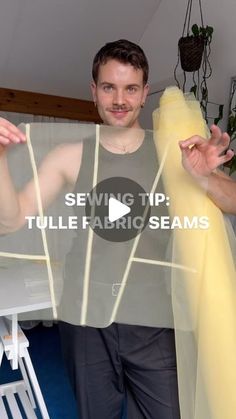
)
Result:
{"points": [[47, 105]]}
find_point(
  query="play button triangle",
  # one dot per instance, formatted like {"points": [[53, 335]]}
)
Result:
{"points": [[106, 203], [116, 209]]}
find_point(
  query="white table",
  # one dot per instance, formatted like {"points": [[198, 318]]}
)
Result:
{"points": [[23, 288]]}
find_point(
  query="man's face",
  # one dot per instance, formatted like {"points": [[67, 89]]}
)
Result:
{"points": [[119, 94]]}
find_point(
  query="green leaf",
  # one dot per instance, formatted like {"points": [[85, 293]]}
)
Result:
{"points": [[220, 114], [204, 93], [209, 30], [232, 165], [203, 32], [195, 30], [232, 136], [232, 125], [194, 89]]}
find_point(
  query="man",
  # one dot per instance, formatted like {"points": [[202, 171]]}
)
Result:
{"points": [[118, 362]]}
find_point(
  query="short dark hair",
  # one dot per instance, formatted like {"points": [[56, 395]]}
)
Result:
{"points": [[124, 51]]}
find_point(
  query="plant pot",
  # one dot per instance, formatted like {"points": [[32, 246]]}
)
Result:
{"points": [[191, 51]]}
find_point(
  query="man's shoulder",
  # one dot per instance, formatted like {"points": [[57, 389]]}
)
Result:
{"points": [[66, 158]]}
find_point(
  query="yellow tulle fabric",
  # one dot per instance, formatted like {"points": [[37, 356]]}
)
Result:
{"points": [[204, 300]]}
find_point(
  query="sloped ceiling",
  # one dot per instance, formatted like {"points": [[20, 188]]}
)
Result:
{"points": [[47, 46]]}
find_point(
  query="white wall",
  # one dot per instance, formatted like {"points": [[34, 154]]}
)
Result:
{"points": [[152, 101]]}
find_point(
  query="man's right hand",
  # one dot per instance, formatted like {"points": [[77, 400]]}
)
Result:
{"points": [[10, 134], [200, 157]]}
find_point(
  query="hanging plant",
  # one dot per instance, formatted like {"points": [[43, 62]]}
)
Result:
{"points": [[194, 48], [191, 47], [191, 52]]}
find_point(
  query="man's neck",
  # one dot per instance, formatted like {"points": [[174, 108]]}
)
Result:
{"points": [[121, 140]]}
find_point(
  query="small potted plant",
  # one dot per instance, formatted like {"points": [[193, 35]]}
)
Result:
{"points": [[191, 47]]}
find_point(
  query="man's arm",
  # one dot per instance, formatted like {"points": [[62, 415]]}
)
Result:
{"points": [[9, 203], [201, 158], [222, 191], [60, 166]]}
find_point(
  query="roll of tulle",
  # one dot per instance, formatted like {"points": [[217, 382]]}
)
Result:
{"points": [[204, 298]]}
